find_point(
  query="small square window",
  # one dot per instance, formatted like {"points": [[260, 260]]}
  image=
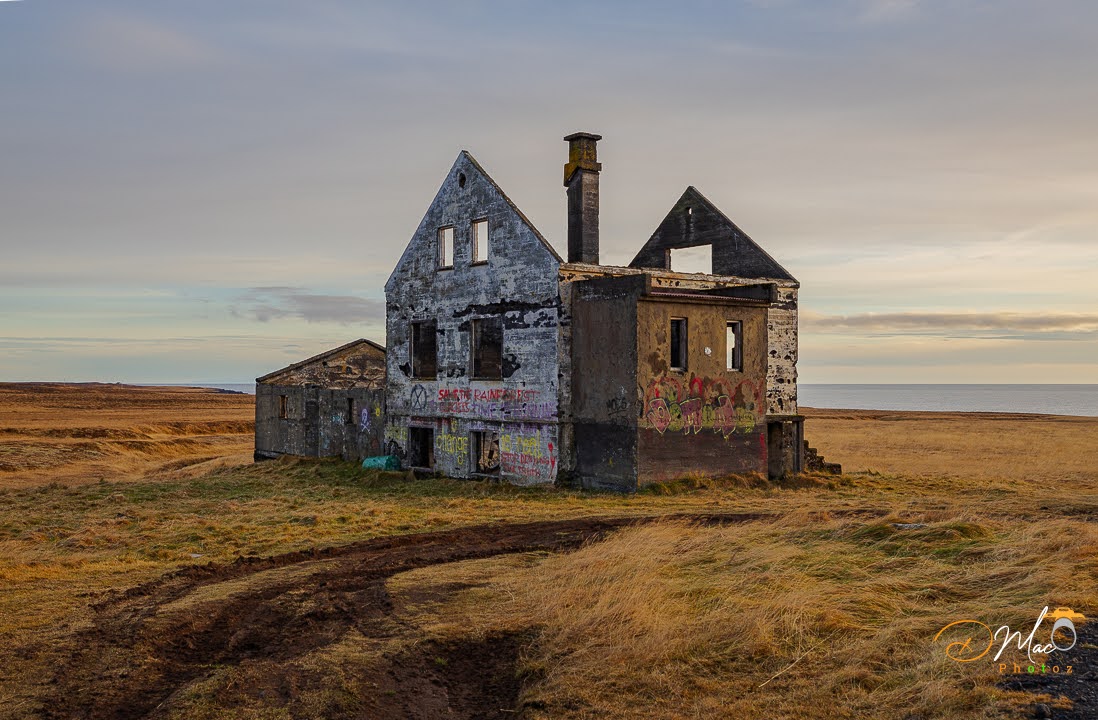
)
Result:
{"points": [[282, 406], [487, 346], [733, 345], [424, 350], [678, 344], [445, 248], [480, 241]]}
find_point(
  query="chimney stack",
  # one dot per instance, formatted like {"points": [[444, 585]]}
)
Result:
{"points": [[581, 177]]}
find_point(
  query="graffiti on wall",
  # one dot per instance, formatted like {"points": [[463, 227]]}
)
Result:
{"points": [[716, 405], [487, 403], [368, 418], [397, 434], [455, 446], [420, 398], [528, 451]]}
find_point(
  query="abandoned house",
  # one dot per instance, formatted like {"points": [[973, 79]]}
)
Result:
{"points": [[330, 405], [506, 360]]}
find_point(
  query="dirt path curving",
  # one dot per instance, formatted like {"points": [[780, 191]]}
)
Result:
{"points": [[148, 643]]}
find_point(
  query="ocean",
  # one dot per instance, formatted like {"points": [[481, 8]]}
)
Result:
{"points": [[1042, 399]]}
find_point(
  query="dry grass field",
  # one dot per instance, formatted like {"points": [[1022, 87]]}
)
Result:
{"points": [[86, 432], [297, 589]]}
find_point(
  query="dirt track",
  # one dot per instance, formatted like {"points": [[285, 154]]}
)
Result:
{"points": [[149, 642]]}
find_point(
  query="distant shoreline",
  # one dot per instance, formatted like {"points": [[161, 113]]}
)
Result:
{"points": [[221, 388], [1044, 400]]}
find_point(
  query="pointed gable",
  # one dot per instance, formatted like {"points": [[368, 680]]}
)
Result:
{"points": [[695, 221], [360, 363], [467, 188]]}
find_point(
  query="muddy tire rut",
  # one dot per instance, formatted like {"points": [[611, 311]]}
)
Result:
{"points": [[148, 643]]}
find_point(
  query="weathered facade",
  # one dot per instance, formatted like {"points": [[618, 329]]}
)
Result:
{"points": [[330, 405], [473, 330], [507, 361]]}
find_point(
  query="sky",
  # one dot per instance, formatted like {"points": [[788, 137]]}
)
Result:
{"points": [[206, 191]]}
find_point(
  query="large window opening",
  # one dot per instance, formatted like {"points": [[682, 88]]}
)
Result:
{"points": [[691, 260], [421, 448], [678, 344], [733, 345], [424, 350], [282, 407], [445, 248], [480, 241], [486, 452], [487, 345]]}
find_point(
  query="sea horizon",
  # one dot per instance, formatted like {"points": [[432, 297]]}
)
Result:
{"points": [[1080, 399], [1076, 399]]}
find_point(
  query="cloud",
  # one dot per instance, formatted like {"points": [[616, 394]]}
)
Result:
{"points": [[264, 304], [136, 44], [946, 323], [886, 10]]}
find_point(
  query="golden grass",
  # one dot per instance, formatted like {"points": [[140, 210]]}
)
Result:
{"points": [[681, 621], [796, 618], [815, 609], [1044, 449], [80, 433]]}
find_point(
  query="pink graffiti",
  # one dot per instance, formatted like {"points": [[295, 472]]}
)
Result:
{"points": [[691, 415], [714, 405], [658, 415]]}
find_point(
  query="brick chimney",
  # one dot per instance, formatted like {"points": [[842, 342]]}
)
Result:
{"points": [[581, 177]]}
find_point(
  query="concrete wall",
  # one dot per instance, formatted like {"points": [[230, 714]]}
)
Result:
{"points": [[317, 422], [517, 283], [781, 371], [706, 419], [781, 321], [605, 403]]}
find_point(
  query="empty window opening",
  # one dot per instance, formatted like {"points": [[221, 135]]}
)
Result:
{"points": [[480, 241], [487, 344], [689, 211], [424, 350], [678, 344], [446, 247], [282, 406], [733, 345], [691, 260], [486, 452], [350, 411], [461, 180], [421, 448]]}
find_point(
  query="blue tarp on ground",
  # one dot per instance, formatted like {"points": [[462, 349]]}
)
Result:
{"points": [[381, 462]]}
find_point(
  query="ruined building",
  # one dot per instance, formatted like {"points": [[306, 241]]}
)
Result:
{"points": [[505, 360], [330, 405]]}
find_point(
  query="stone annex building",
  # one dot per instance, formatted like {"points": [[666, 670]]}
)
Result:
{"points": [[505, 360]]}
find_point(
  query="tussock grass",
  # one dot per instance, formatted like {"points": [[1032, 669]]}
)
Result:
{"points": [[676, 620], [821, 612]]}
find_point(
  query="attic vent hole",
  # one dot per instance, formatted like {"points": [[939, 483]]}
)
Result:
{"points": [[461, 180]]}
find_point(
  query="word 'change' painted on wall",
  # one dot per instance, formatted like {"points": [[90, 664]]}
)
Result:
{"points": [[702, 404], [456, 446]]}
